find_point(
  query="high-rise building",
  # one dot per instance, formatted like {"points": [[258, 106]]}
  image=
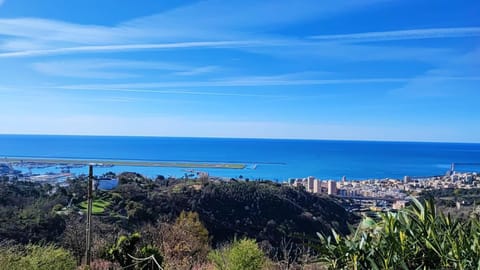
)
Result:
{"points": [[317, 186], [310, 181], [332, 187]]}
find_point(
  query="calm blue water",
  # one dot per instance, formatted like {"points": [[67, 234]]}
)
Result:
{"points": [[275, 159]]}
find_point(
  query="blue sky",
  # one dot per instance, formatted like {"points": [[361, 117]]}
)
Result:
{"points": [[356, 70]]}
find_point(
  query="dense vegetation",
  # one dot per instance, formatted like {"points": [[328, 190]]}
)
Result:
{"points": [[420, 237], [179, 224], [26, 212], [34, 257], [282, 220], [459, 203]]}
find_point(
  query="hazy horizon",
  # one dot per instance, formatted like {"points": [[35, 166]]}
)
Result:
{"points": [[236, 138]]}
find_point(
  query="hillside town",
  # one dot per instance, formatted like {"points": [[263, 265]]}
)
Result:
{"points": [[386, 194]]}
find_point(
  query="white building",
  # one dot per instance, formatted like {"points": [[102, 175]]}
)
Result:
{"points": [[332, 187], [310, 183], [317, 186]]}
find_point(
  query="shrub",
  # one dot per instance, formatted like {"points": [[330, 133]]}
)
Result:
{"points": [[241, 255], [35, 257], [185, 243], [414, 238], [100, 264], [128, 253]]}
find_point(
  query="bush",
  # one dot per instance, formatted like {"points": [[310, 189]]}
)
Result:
{"points": [[241, 255], [185, 243], [100, 264], [35, 257], [126, 250], [414, 238]]}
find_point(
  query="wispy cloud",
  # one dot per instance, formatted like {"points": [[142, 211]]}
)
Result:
{"points": [[28, 37], [252, 82], [184, 92], [279, 48], [130, 47], [114, 68], [347, 52], [249, 15], [402, 35], [249, 29], [213, 17], [44, 30], [422, 86], [197, 71]]}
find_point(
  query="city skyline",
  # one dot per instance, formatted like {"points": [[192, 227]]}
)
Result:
{"points": [[340, 70]]}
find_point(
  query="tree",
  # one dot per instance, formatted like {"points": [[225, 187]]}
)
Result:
{"points": [[73, 238], [246, 255], [185, 243]]}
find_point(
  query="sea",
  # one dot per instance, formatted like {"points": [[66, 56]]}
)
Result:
{"points": [[265, 159]]}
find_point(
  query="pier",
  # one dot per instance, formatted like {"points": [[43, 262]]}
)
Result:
{"points": [[455, 164], [134, 163]]}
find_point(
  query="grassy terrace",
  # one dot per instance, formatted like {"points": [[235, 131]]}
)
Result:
{"points": [[128, 163], [98, 206]]}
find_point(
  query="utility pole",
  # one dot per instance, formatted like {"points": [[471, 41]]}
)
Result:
{"points": [[88, 249]]}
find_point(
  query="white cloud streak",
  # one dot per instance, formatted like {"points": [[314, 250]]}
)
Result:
{"points": [[130, 47], [114, 68], [35, 36], [250, 82], [402, 35], [197, 71], [185, 92], [250, 26]]}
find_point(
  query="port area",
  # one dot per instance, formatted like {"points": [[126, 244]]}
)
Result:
{"points": [[97, 162]]}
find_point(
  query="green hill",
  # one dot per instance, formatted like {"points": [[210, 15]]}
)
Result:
{"points": [[265, 211], [262, 210]]}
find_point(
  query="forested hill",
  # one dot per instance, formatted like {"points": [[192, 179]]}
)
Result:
{"points": [[266, 211]]}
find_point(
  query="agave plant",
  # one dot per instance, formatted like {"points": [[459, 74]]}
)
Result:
{"points": [[418, 237]]}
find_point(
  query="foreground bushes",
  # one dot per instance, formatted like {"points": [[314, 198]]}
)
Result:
{"points": [[34, 257], [415, 238], [419, 237], [185, 243], [240, 255]]}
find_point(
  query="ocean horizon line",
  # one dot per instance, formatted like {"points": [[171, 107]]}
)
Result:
{"points": [[238, 138]]}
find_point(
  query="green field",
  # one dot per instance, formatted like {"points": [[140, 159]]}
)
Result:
{"points": [[98, 206]]}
